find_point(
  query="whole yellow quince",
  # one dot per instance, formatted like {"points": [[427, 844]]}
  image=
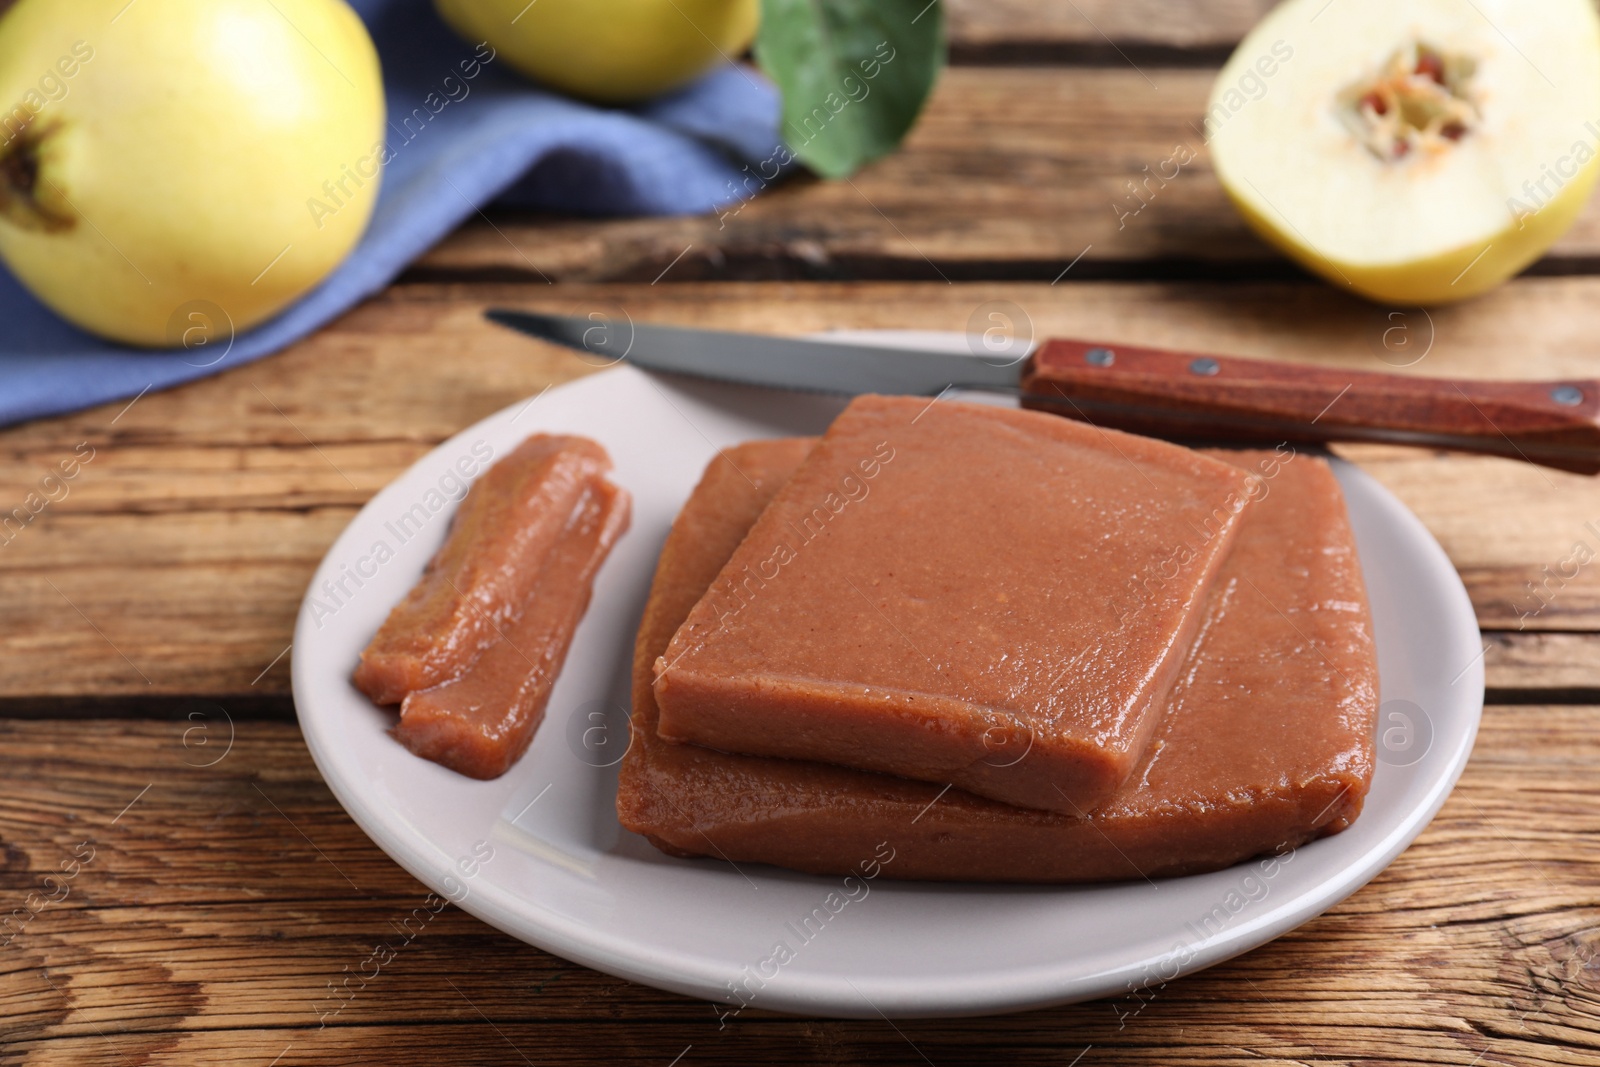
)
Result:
{"points": [[174, 169], [609, 51]]}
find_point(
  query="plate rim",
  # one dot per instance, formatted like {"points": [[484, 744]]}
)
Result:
{"points": [[526, 919]]}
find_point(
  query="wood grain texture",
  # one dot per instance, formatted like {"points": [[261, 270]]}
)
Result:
{"points": [[1548, 664], [1160, 29], [1011, 174], [219, 905], [176, 560]]}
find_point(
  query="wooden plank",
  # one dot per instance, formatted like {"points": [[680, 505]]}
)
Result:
{"points": [[1011, 174], [220, 903], [1535, 571], [990, 29], [1010, 171], [176, 560], [1550, 663]]}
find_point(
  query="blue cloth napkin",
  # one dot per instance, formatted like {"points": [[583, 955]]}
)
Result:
{"points": [[505, 140]]}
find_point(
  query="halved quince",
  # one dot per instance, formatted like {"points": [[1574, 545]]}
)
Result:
{"points": [[1413, 151]]}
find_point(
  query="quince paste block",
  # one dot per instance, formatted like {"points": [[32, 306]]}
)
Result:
{"points": [[961, 594], [1265, 743]]}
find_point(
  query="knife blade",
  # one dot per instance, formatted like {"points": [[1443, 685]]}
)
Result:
{"points": [[1169, 393], [773, 362]]}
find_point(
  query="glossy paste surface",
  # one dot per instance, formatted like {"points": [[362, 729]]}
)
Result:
{"points": [[1266, 741], [473, 651], [960, 593]]}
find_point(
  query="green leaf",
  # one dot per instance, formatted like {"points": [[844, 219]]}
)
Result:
{"points": [[854, 74]]}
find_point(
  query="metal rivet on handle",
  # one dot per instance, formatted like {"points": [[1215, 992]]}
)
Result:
{"points": [[1204, 365], [1567, 395], [1099, 357]]}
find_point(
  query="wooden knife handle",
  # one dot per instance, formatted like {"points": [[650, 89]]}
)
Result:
{"points": [[1192, 396]]}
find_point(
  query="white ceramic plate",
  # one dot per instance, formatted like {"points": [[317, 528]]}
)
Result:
{"points": [[540, 855]]}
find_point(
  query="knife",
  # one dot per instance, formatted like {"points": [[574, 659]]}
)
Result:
{"points": [[1168, 393]]}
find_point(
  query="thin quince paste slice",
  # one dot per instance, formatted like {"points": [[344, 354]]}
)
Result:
{"points": [[475, 649]]}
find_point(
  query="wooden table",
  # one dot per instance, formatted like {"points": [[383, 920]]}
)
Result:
{"points": [[220, 889]]}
